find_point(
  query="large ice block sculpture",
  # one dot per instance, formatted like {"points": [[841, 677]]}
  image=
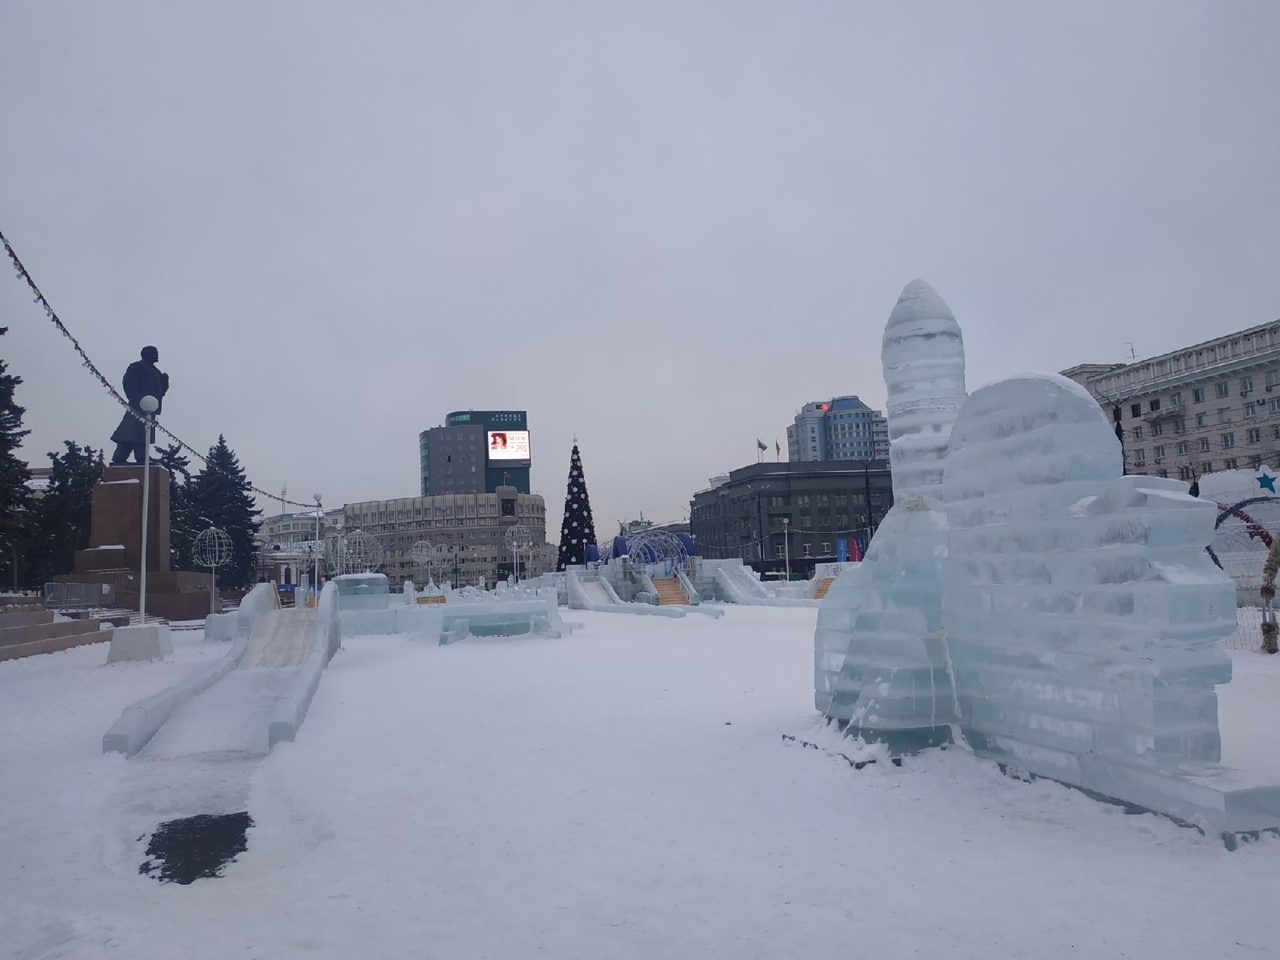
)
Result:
{"points": [[1062, 616], [893, 678], [1081, 609]]}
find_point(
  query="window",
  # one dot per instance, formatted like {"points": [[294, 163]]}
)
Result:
{"points": [[1137, 433], [1206, 466], [1155, 405], [1224, 414], [1224, 389], [1184, 447], [1256, 461], [1202, 419], [1176, 400], [778, 554], [1158, 453], [1180, 425], [1246, 384], [1204, 444], [1275, 432], [1157, 429], [1135, 410], [1254, 435], [1250, 410], [1140, 457], [826, 549], [1186, 473], [1231, 463], [1197, 395], [1273, 379], [1228, 439]]}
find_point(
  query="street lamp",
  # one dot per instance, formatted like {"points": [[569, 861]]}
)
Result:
{"points": [[149, 406], [315, 581], [786, 545]]}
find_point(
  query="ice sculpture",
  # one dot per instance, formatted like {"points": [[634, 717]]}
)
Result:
{"points": [[1064, 617], [895, 676]]}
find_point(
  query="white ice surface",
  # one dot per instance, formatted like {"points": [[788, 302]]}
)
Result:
{"points": [[622, 792]]}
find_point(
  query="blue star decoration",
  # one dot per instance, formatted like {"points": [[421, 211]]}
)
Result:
{"points": [[1266, 482]]}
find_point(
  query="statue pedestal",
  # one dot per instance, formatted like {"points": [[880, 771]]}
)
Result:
{"points": [[114, 554]]}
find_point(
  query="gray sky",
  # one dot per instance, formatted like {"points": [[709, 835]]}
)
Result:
{"points": [[662, 227]]}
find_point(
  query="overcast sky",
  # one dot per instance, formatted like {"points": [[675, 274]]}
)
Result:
{"points": [[660, 227]]}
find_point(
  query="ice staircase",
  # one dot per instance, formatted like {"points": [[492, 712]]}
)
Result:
{"points": [[669, 592], [823, 587]]}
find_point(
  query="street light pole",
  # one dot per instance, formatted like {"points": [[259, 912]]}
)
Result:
{"points": [[786, 545], [315, 582], [149, 406]]}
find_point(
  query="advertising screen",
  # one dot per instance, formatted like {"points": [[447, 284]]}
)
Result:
{"points": [[508, 444]]}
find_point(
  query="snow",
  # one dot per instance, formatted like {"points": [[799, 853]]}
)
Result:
{"points": [[624, 791]]}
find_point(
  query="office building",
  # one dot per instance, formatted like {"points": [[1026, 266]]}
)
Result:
{"points": [[468, 531], [767, 513], [1211, 406], [475, 451], [843, 428]]}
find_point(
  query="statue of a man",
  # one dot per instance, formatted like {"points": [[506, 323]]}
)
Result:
{"points": [[141, 379]]}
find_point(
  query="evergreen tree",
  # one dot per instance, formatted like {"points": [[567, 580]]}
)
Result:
{"points": [[63, 516], [220, 495], [182, 526], [578, 531], [15, 496]]}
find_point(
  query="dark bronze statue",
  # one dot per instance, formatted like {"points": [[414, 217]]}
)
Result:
{"points": [[142, 379]]}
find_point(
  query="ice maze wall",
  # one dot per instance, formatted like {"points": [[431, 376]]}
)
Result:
{"points": [[1062, 616]]}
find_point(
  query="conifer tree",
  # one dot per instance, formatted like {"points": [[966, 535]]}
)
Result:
{"points": [[220, 496], [15, 497], [62, 518], [578, 531], [182, 528]]}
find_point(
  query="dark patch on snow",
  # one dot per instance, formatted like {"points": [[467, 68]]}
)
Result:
{"points": [[191, 848]]}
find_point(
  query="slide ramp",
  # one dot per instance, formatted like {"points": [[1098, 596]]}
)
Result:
{"points": [[233, 716]]}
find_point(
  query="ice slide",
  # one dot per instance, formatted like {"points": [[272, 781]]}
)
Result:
{"points": [[599, 596], [737, 585], [244, 703]]}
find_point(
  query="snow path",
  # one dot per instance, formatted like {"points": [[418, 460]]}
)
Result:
{"points": [[596, 592]]}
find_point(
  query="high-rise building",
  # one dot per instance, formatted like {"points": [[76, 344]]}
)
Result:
{"points": [[1211, 406], [475, 451], [843, 428]]}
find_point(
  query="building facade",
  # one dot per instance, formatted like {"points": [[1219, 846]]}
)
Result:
{"points": [[475, 451], [468, 531], [843, 428], [767, 513], [1211, 406]]}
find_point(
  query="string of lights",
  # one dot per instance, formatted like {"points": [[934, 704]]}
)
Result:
{"points": [[89, 365]]}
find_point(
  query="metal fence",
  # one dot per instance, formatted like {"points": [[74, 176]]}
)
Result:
{"points": [[79, 596]]}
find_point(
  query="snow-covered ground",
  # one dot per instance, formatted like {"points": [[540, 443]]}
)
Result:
{"points": [[626, 791]]}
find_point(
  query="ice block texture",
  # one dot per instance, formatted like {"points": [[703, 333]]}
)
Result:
{"points": [[880, 659], [1081, 609]]}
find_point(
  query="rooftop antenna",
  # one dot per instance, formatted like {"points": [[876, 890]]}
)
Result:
{"points": [[284, 489], [1133, 357]]}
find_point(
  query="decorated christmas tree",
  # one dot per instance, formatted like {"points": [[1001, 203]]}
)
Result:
{"points": [[578, 530]]}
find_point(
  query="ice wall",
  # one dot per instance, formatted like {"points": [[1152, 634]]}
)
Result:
{"points": [[1081, 609], [880, 662]]}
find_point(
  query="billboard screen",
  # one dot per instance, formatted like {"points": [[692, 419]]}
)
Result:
{"points": [[508, 444]]}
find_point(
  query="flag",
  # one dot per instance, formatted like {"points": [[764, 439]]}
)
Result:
{"points": [[760, 444], [506, 476], [777, 446], [855, 550]]}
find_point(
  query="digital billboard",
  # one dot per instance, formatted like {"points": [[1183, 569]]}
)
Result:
{"points": [[508, 444]]}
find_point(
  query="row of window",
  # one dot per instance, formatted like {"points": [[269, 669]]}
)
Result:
{"points": [[1204, 444], [1221, 390]]}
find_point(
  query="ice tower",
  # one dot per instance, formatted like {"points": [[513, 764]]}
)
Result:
{"points": [[880, 659]]}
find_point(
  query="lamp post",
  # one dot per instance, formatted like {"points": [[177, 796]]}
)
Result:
{"points": [[149, 406], [786, 545], [866, 486], [315, 581]]}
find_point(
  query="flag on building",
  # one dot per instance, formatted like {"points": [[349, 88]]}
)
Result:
{"points": [[760, 444], [855, 550]]}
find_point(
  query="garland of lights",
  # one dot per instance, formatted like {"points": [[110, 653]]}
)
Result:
{"points": [[97, 374]]}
